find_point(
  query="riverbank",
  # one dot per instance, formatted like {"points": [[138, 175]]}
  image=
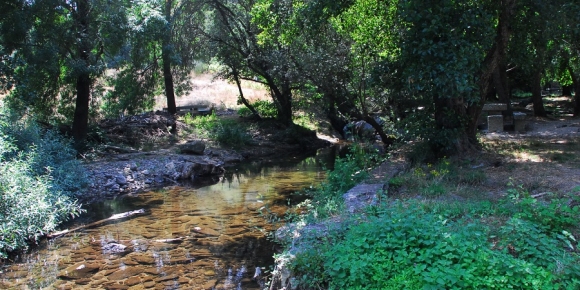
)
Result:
{"points": [[114, 173], [513, 207]]}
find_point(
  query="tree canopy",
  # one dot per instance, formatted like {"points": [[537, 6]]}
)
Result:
{"points": [[411, 69]]}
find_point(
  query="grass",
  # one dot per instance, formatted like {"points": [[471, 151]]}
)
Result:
{"points": [[222, 94], [226, 132], [433, 180]]}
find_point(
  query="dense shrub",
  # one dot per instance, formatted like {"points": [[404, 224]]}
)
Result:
{"points": [[225, 132], [405, 247], [232, 134], [39, 178], [266, 109]]}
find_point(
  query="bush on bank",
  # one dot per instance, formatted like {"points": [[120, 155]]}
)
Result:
{"points": [[514, 243], [39, 178]]}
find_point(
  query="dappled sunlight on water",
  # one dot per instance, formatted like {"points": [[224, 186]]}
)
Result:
{"points": [[188, 238]]}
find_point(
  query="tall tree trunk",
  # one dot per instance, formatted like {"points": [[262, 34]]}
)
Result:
{"points": [[81, 114], [448, 114], [166, 57], [537, 94], [282, 96], [500, 81], [284, 100], [576, 84], [567, 90], [83, 83], [494, 57]]}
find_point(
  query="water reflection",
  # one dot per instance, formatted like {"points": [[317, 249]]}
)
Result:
{"points": [[194, 236]]}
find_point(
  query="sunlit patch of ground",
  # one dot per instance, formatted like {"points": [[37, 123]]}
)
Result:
{"points": [[544, 159], [208, 90]]}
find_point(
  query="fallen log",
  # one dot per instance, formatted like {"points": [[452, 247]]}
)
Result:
{"points": [[112, 218]]}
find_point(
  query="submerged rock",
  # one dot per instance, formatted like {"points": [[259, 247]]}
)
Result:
{"points": [[115, 248], [79, 270]]}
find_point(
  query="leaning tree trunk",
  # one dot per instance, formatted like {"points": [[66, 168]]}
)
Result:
{"points": [[537, 94], [166, 57], [494, 57], [576, 84], [83, 82], [387, 140], [336, 121], [241, 97]]}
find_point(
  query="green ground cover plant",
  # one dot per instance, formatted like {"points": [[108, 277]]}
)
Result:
{"points": [[39, 180], [405, 246], [326, 199], [514, 241]]}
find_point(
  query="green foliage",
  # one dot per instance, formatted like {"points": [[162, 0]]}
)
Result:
{"points": [[396, 182], [38, 180], [133, 93], [532, 242], [348, 171], [203, 124], [225, 132], [555, 214], [232, 134], [266, 109], [405, 247], [516, 242], [58, 44]]}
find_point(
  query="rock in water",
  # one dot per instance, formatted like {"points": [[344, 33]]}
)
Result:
{"points": [[115, 248], [193, 147]]}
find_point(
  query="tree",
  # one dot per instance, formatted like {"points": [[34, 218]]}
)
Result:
{"points": [[449, 54], [233, 36], [13, 27], [160, 52], [60, 55], [570, 47], [533, 45], [335, 47]]}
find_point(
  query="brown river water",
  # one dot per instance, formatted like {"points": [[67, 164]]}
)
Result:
{"points": [[222, 231]]}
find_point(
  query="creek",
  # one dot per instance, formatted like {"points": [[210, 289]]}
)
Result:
{"points": [[192, 236]]}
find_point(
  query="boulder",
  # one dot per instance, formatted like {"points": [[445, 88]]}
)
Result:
{"points": [[121, 179], [195, 147]]}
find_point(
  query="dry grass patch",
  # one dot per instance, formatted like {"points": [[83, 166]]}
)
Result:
{"points": [[206, 90]]}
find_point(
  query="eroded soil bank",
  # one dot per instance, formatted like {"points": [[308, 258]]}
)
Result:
{"points": [[124, 170]]}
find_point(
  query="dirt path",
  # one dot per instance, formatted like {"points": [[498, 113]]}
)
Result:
{"points": [[544, 159]]}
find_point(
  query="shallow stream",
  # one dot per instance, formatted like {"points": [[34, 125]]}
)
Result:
{"points": [[190, 236]]}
